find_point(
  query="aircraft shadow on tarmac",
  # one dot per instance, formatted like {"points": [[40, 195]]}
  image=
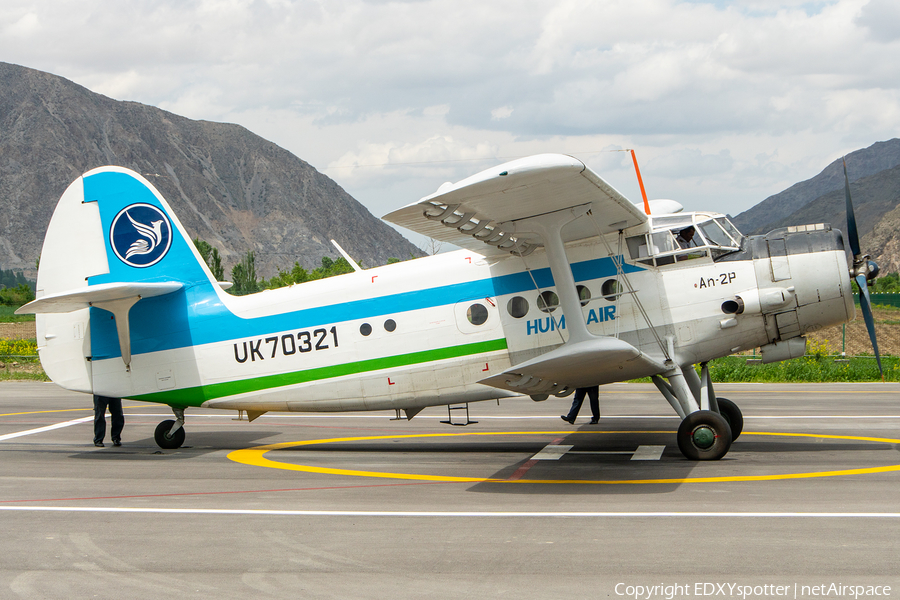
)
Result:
{"points": [[599, 461], [199, 443]]}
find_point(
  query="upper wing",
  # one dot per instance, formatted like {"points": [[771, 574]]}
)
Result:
{"points": [[470, 213], [577, 364]]}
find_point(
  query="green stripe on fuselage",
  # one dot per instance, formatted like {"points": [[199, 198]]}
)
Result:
{"points": [[195, 396]]}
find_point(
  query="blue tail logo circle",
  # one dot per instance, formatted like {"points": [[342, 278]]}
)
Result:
{"points": [[141, 235]]}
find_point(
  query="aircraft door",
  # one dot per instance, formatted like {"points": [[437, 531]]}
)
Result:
{"points": [[476, 316]]}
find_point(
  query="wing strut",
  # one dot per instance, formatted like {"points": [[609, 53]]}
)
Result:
{"points": [[549, 227]]}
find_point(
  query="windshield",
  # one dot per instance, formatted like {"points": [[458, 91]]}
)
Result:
{"points": [[713, 232]]}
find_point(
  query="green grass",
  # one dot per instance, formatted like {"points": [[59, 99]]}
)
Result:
{"points": [[808, 369], [7, 315]]}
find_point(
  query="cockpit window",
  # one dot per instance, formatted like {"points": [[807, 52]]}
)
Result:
{"points": [[676, 238], [716, 235], [730, 229]]}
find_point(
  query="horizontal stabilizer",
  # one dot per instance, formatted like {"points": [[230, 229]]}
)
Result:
{"points": [[93, 295], [594, 361]]}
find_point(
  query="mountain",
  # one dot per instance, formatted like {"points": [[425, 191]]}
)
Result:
{"points": [[875, 188], [227, 185], [763, 217]]}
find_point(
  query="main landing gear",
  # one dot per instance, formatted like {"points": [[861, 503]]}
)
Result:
{"points": [[169, 434], [709, 425]]}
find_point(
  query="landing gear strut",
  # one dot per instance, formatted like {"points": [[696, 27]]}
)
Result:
{"points": [[709, 424], [169, 434]]}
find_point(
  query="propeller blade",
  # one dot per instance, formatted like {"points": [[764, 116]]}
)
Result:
{"points": [[852, 233], [866, 307]]}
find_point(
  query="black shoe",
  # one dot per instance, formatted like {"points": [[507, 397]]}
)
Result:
{"points": [[567, 420], [117, 442], [100, 444], [594, 421]]}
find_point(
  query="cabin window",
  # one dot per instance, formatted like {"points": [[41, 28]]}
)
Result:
{"points": [[611, 289], [390, 325], [517, 307], [584, 294], [477, 314], [548, 302], [365, 329]]}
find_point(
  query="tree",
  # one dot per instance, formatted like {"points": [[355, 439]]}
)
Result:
{"points": [[212, 258], [298, 274], [243, 275], [16, 296], [885, 284]]}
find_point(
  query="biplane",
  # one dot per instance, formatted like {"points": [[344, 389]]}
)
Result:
{"points": [[560, 283]]}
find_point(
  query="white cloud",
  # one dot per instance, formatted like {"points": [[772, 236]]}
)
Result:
{"points": [[722, 100], [503, 112]]}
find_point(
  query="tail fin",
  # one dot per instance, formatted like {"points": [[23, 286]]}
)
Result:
{"points": [[112, 241]]}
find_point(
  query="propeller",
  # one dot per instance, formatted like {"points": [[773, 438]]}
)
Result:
{"points": [[862, 271]]}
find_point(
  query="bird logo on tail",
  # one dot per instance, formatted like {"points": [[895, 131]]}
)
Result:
{"points": [[143, 238]]}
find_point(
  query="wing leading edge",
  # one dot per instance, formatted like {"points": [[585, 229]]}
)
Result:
{"points": [[471, 213]]}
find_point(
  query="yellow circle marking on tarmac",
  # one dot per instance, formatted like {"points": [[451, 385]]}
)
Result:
{"points": [[58, 410], [256, 457]]}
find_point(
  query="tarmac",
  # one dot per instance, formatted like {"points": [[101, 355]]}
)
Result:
{"points": [[518, 505]]}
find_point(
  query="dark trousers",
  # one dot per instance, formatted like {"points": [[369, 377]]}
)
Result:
{"points": [[594, 394], [118, 418]]}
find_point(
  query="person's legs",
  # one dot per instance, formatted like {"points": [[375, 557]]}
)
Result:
{"points": [[576, 406], [117, 418], [99, 419], [594, 395]]}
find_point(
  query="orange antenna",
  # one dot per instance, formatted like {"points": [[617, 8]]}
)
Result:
{"points": [[641, 183]]}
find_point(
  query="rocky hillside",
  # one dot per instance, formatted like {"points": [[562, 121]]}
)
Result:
{"points": [[764, 216], [875, 188], [227, 186]]}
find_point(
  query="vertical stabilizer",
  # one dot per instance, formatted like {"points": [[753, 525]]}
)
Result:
{"points": [[115, 269]]}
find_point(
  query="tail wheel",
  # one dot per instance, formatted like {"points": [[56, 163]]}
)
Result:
{"points": [[164, 439], [732, 414], [704, 435]]}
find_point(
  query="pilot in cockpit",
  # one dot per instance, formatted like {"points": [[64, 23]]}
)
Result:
{"points": [[685, 238]]}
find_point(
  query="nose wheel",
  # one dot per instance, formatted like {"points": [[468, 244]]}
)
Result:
{"points": [[169, 434], [704, 435]]}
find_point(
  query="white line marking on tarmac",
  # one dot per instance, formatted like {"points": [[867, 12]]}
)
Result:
{"points": [[487, 417], [648, 453], [380, 513], [10, 436], [555, 452], [551, 452]]}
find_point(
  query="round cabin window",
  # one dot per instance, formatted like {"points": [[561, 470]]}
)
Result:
{"points": [[477, 314], [548, 302], [517, 307]]}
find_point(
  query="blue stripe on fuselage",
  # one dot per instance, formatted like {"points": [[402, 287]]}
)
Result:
{"points": [[195, 315]]}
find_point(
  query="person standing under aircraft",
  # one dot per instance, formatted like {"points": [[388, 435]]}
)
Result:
{"points": [[118, 420], [594, 393]]}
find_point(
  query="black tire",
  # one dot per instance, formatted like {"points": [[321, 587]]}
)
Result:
{"points": [[704, 435], [732, 414], [163, 440]]}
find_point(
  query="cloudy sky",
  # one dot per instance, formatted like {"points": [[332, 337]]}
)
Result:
{"points": [[725, 103]]}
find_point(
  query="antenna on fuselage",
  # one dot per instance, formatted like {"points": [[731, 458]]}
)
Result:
{"points": [[637, 170], [346, 256]]}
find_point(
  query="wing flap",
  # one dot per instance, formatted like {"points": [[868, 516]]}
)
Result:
{"points": [[595, 361], [471, 212]]}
